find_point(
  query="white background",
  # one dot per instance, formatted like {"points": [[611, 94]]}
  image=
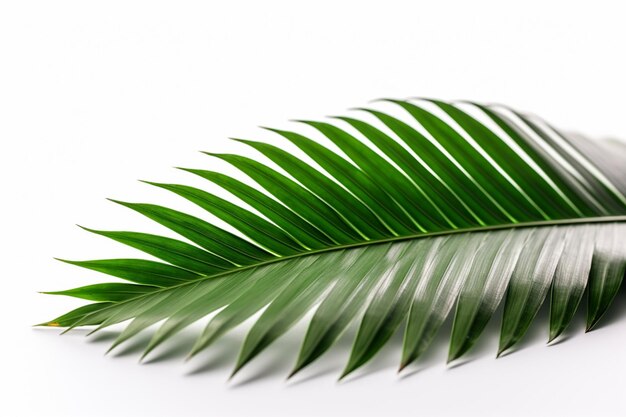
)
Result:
{"points": [[94, 95]]}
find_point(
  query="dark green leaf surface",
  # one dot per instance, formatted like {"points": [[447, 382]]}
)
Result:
{"points": [[556, 176], [449, 204], [390, 179], [364, 188], [284, 218], [262, 232], [299, 199], [225, 248], [106, 292], [458, 180], [177, 253], [348, 206], [140, 271]]}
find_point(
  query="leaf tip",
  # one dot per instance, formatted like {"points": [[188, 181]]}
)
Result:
{"points": [[234, 372], [402, 366], [271, 129], [87, 229], [454, 354], [501, 352], [93, 331], [431, 100], [304, 121], [342, 377], [244, 141], [349, 369], [591, 323], [193, 352], [48, 324]]}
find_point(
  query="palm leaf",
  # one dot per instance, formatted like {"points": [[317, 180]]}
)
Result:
{"points": [[449, 206]]}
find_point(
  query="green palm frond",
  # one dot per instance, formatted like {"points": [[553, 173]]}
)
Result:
{"points": [[451, 205]]}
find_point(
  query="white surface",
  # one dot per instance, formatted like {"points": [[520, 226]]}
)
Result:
{"points": [[94, 95]]}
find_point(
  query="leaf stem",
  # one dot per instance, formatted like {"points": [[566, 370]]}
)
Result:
{"points": [[542, 223]]}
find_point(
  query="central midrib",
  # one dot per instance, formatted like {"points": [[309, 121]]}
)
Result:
{"points": [[542, 223]]}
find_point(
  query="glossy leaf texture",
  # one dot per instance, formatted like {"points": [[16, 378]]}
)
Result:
{"points": [[422, 210]]}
